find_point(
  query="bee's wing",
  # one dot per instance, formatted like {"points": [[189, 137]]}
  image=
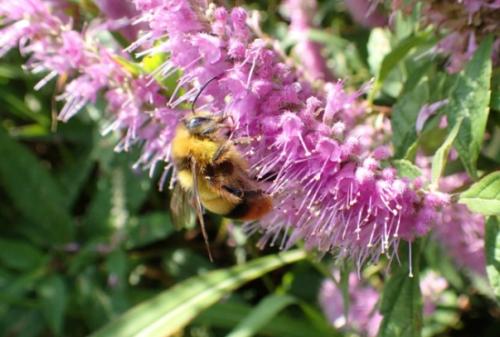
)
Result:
{"points": [[180, 208], [198, 207]]}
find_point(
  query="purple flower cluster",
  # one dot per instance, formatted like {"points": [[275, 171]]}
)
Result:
{"points": [[363, 316], [329, 188], [91, 69], [461, 232], [312, 148], [306, 50]]}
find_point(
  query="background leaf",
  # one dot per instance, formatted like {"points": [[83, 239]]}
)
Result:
{"points": [[53, 294], [404, 118], [33, 191], [470, 100], [484, 196], [492, 248], [441, 156], [263, 313], [401, 300]]}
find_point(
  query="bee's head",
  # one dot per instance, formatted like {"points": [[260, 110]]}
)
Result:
{"points": [[203, 125]]}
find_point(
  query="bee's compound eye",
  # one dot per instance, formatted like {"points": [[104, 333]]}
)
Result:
{"points": [[196, 122]]}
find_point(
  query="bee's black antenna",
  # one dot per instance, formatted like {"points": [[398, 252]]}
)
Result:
{"points": [[201, 90]]}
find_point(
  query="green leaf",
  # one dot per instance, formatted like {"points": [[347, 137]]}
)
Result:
{"points": [[34, 192], [265, 311], [406, 168], [492, 248], [20, 255], [394, 57], [17, 107], [470, 100], [22, 323], [171, 310], [484, 196], [182, 263], [53, 294], [437, 258], [495, 90], [344, 287], [148, 228], [228, 314], [401, 300], [77, 165], [379, 45], [441, 156], [404, 118], [132, 68]]}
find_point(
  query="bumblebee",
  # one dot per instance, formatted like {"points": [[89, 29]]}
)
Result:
{"points": [[213, 172]]}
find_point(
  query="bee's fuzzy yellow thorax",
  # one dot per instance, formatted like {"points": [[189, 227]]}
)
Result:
{"points": [[184, 144]]}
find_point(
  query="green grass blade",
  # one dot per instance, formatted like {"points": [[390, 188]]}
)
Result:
{"points": [[171, 310], [265, 311]]}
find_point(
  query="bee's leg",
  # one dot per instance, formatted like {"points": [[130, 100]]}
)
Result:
{"points": [[221, 151], [227, 145], [244, 140]]}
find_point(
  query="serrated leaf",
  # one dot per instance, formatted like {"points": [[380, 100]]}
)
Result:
{"points": [[470, 100], [34, 192], [492, 250], [261, 315], [402, 301], [441, 156], [484, 196], [53, 294], [404, 118], [406, 168], [170, 311]]}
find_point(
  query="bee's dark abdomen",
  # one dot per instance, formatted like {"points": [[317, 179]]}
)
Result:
{"points": [[254, 205], [239, 211]]}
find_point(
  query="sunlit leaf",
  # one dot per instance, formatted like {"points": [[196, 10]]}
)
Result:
{"points": [[441, 156], [394, 57], [470, 101], [492, 248], [406, 168], [484, 196]]}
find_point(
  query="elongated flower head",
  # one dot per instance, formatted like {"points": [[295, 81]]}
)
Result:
{"points": [[310, 147]]}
